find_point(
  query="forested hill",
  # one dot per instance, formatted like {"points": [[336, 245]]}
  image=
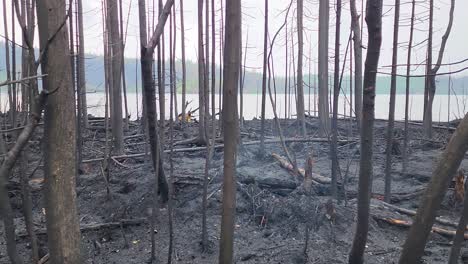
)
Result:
{"points": [[253, 80]]}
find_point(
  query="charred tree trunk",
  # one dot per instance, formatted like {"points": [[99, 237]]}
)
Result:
{"points": [[201, 77], [264, 79], [172, 114], [432, 71], [231, 128], [206, 78], [286, 71], [443, 173], [300, 80], [81, 67], [336, 94], [147, 52], [374, 27], [391, 111], [184, 69], [13, 65], [63, 230], [122, 63], [116, 60], [459, 236], [174, 72], [7, 65], [162, 81], [221, 50], [407, 95], [324, 17], [356, 28], [241, 85]]}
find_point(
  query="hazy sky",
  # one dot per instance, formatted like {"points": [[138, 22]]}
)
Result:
{"points": [[252, 21]]}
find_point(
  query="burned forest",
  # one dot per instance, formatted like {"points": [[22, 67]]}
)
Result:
{"points": [[233, 131]]}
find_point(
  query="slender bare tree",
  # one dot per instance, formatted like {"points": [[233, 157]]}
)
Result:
{"points": [[407, 93], [336, 94], [324, 17], [391, 111], [115, 49], [63, 230], [356, 28], [446, 167], [430, 89], [231, 128], [81, 66], [147, 52], [374, 28], [264, 80], [201, 77], [300, 79], [184, 69]]}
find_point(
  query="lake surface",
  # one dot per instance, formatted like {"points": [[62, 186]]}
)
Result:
{"points": [[252, 106], [442, 110]]}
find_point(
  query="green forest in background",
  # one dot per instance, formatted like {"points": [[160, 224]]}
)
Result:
{"points": [[253, 80]]}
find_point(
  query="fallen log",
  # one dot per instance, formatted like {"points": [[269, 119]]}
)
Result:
{"points": [[285, 164], [404, 223], [44, 259], [134, 136], [95, 226], [270, 141], [413, 213]]}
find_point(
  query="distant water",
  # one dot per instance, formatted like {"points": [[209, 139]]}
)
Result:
{"points": [[252, 106], [442, 111]]}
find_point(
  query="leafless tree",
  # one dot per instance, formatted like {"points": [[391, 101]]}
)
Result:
{"points": [[357, 60], [324, 17], [336, 94], [430, 89], [442, 175], [391, 111], [201, 77], [374, 28], [264, 79], [231, 128], [115, 49], [147, 52], [63, 230], [81, 66], [407, 93], [184, 69], [300, 80]]}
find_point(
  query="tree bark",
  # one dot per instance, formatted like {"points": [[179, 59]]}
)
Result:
{"points": [[116, 60], [391, 111], [374, 27], [460, 234], [231, 128], [432, 70], [442, 175], [300, 80], [184, 69], [81, 67], [407, 93], [162, 81], [206, 78], [122, 63], [201, 77], [356, 28], [147, 51], [11, 102], [63, 230], [324, 17], [336, 94], [264, 79]]}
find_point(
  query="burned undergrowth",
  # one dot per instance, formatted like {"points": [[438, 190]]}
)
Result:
{"points": [[274, 210]]}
